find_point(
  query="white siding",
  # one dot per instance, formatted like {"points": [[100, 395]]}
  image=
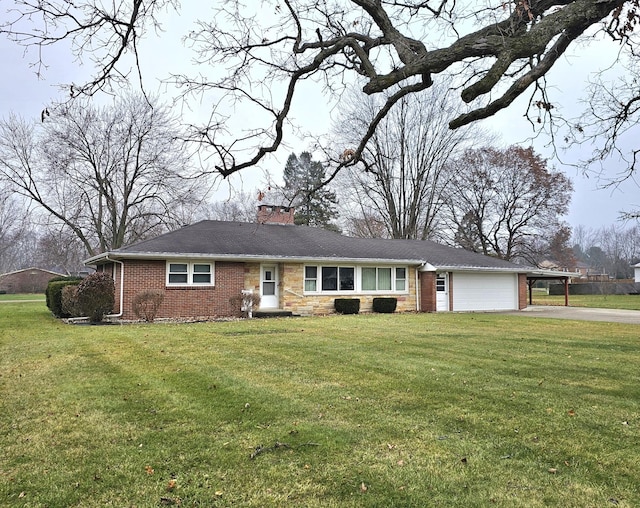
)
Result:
{"points": [[484, 291]]}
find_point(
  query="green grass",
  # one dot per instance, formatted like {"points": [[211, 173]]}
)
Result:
{"points": [[369, 410], [630, 302], [21, 296]]}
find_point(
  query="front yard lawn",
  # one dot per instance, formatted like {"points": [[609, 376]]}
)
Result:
{"points": [[629, 302], [367, 410]]}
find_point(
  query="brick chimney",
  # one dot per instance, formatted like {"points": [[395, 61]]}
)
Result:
{"points": [[269, 214]]}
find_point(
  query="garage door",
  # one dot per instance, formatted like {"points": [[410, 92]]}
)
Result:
{"points": [[479, 291]]}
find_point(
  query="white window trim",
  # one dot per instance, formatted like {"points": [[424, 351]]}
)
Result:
{"points": [[357, 286], [190, 273]]}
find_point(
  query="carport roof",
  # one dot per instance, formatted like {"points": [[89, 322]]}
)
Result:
{"points": [[254, 241]]}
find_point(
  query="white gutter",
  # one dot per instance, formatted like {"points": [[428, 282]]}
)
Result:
{"points": [[119, 314], [417, 290], [251, 258]]}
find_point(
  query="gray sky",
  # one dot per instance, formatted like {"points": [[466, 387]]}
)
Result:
{"points": [[22, 92]]}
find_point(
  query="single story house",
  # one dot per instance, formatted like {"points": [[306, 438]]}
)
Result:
{"points": [[302, 270], [27, 280]]}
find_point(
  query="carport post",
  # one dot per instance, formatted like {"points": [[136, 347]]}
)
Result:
{"points": [[566, 291]]}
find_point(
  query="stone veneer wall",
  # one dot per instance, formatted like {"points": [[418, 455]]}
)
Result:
{"points": [[292, 297]]}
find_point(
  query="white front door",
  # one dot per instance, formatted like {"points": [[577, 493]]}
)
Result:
{"points": [[269, 287], [442, 292]]}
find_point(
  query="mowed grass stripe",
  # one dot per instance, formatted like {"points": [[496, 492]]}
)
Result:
{"points": [[400, 410]]}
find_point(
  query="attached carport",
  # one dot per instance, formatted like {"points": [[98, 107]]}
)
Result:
{"points": [[564, 277]]}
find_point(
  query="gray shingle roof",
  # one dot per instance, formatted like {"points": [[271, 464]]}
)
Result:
{"points": [[241, 240]]}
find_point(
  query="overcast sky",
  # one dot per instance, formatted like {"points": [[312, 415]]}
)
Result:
{"points": [[22, 92]]}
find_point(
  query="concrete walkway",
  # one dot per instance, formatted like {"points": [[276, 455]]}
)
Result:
{"points": [[581, 314]]}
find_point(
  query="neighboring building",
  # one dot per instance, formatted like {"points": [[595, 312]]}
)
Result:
{"points": [[636, 269], [303, 270], [584, 270], [29, 280]]}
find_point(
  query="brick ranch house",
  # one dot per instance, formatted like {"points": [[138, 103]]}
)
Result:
{"points": [[27, 280], [303, 270]]}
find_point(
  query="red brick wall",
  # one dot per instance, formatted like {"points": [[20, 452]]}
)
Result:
{"points": [[179, 302], [427, 291], [523, 296]]}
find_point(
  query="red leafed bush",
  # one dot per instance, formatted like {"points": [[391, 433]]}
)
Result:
{"points": [[146, 304], [96, 296]]}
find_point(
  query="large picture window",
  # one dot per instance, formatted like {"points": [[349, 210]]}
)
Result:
{"points": [[383, 279], [329, 278], [182, 273], [345, 279], [338, 278]]}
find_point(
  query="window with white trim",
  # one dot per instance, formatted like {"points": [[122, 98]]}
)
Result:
{"points": [[347, 279], [183, 273], [383, 278], [329, 278], [311, 278]]}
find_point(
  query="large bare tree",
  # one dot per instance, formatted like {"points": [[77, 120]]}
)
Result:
{"points": [[405, 161], [259, 55], [111, 175], [14, 214], [503, 202]]}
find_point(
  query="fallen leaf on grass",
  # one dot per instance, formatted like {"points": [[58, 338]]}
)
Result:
{"points": [[571, 412], [171, 485], [22, 494], [148, 469], [168, 501], [363, 487], [552, 470]]}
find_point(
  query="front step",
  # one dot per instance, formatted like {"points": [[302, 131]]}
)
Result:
{"points": [[272, 313]]}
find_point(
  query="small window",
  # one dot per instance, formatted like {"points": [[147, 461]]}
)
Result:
{"points": [[202, 273], [178, 273], [401, 279], [189, 274], [310, 278]]}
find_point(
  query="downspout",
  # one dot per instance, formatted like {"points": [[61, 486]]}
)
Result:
{"points": [[418, 295], [119, 314]]}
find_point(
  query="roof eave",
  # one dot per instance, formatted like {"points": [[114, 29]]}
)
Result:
{"points": [[106, 256]]}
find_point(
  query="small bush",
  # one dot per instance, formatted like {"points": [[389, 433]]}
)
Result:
{"points": [[241, 304], [385, 305], [347, 305], [70, 304], [147, 303], [53, 294], [96, 295]]}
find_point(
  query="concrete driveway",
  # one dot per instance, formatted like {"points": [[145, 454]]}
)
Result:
{"points": [[581, 314]]}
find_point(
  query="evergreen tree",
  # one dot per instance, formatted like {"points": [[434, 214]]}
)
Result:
{"points": [[314, 203]]}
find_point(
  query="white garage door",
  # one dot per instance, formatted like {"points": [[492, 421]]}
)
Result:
{"points": [[490, 291]]}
